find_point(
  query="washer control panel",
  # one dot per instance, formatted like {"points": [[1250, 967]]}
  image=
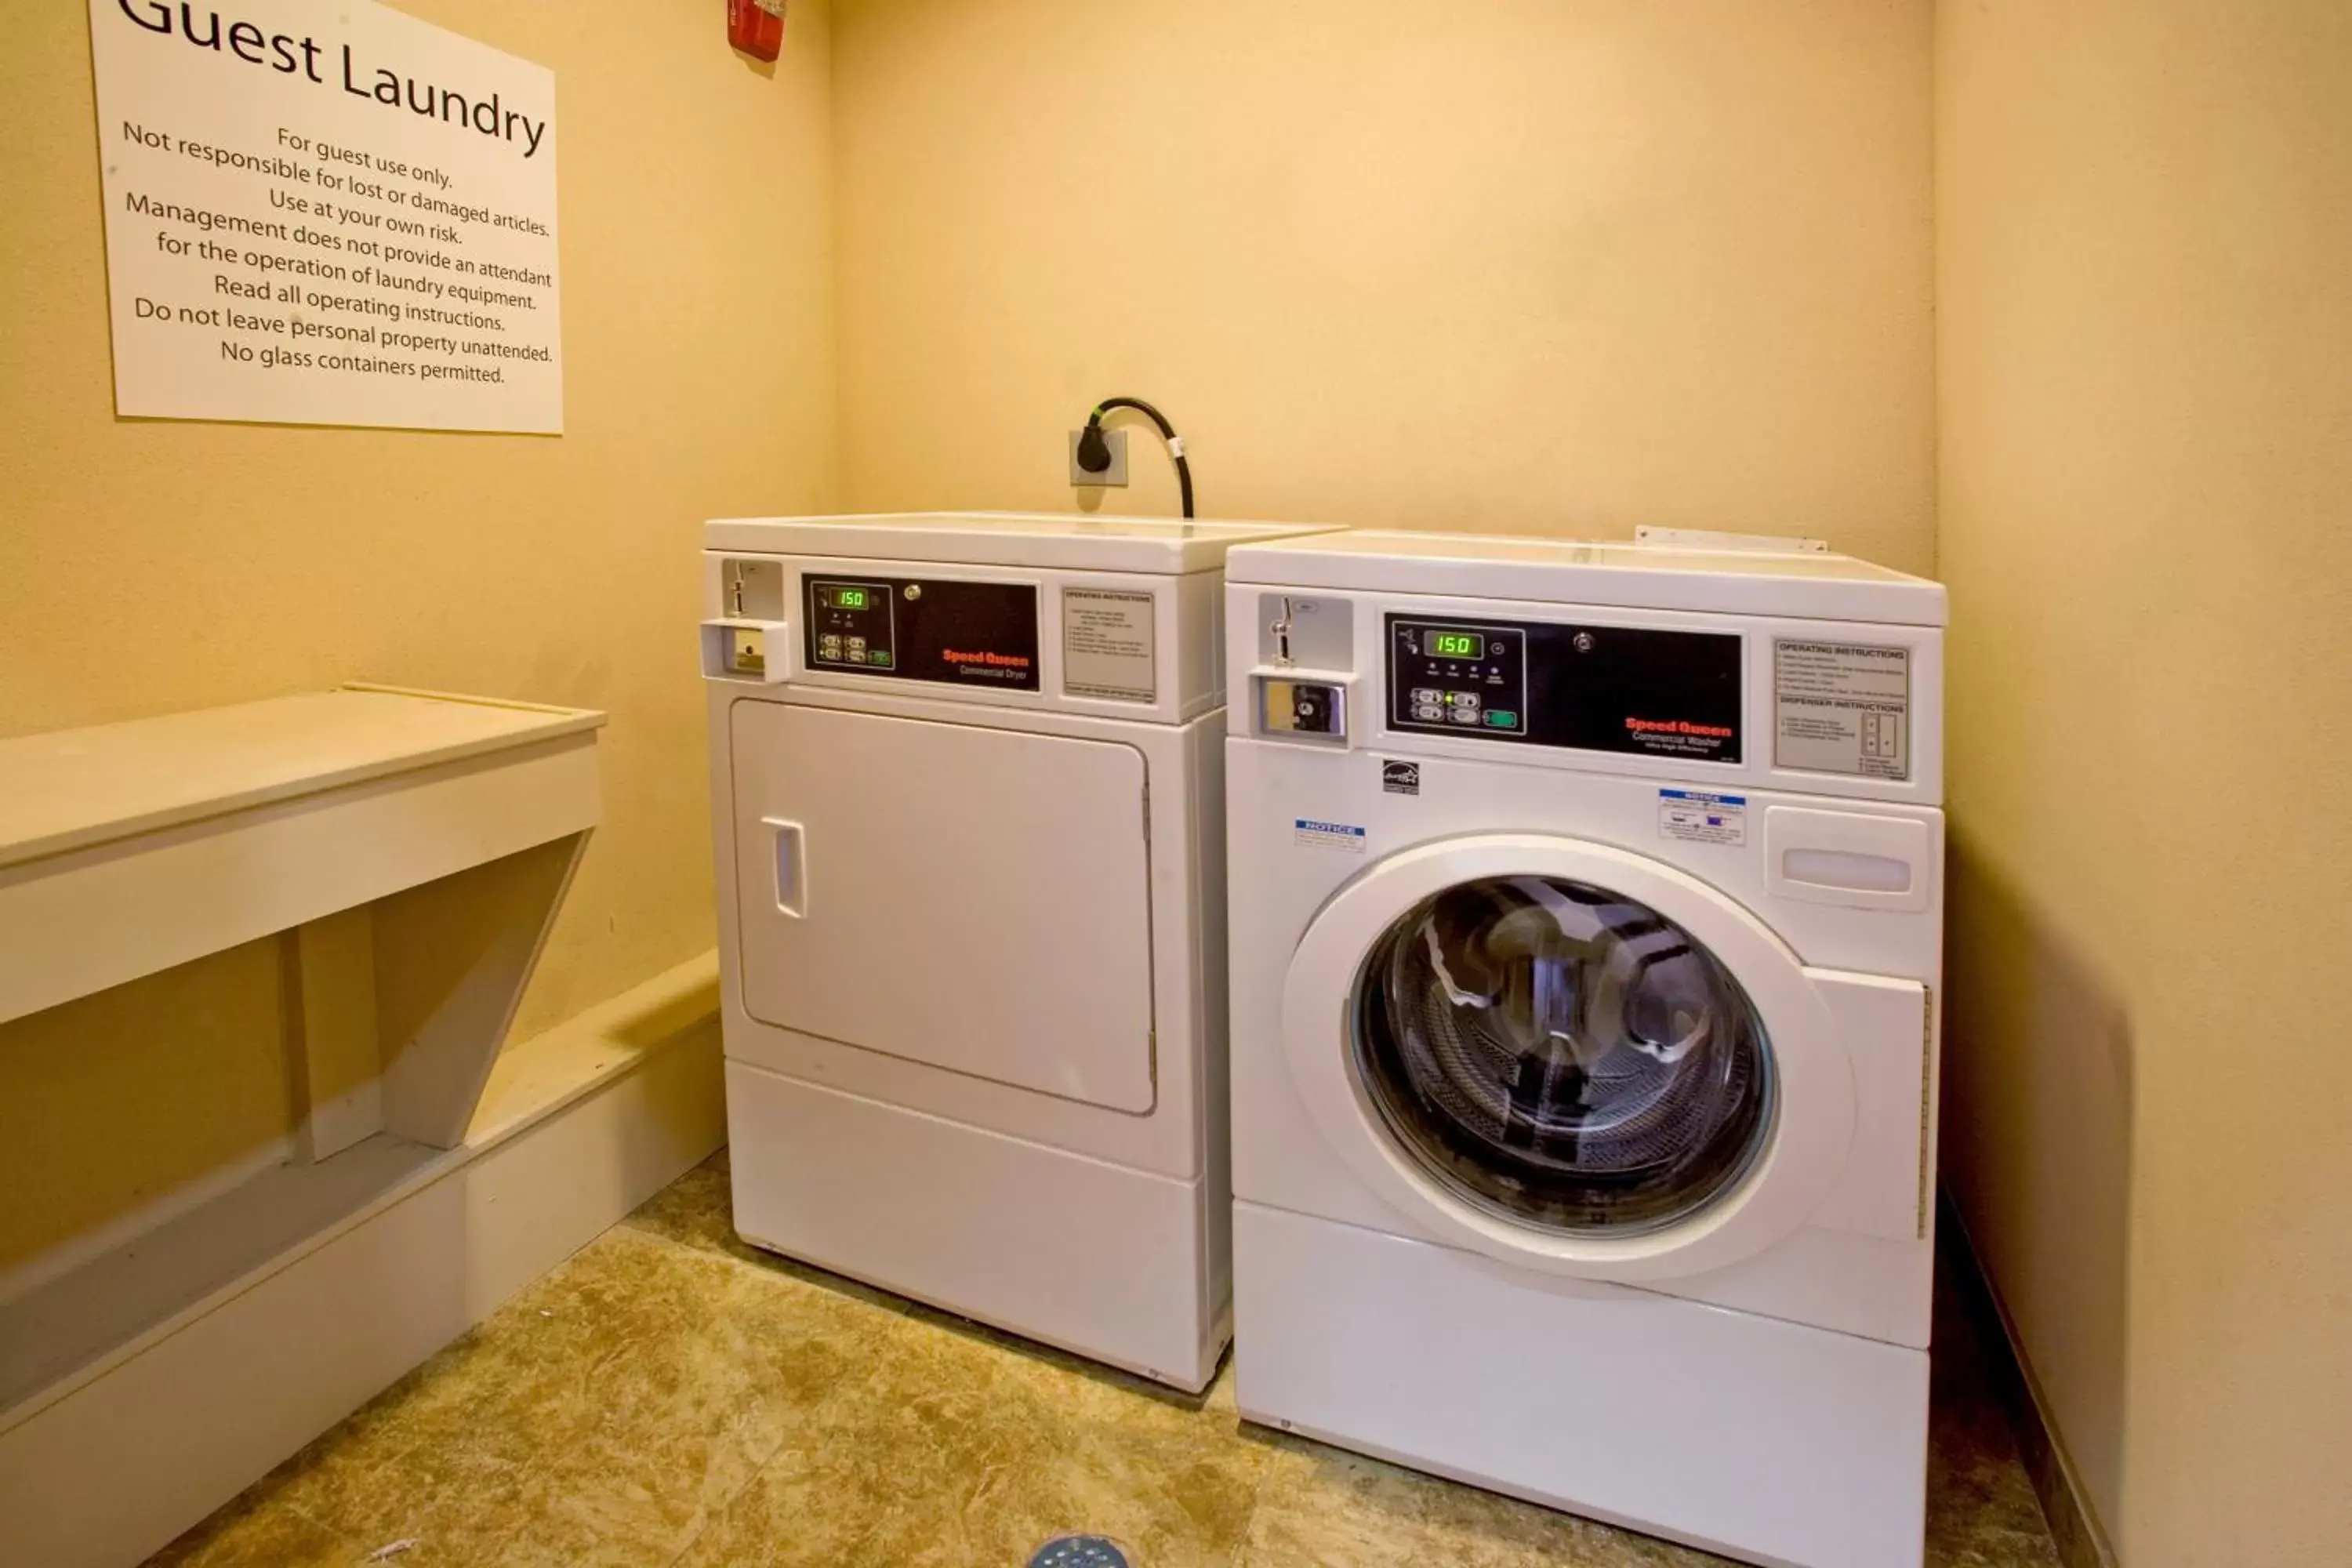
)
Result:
{"points": [[1632, 690], [1458, 678]]}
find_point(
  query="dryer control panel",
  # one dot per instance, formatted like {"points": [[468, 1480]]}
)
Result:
{"points": [[951, 631], [1640, 690]]}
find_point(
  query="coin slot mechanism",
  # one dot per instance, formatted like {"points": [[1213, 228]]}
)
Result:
{"points": [[1301, 705], [746, 650]]}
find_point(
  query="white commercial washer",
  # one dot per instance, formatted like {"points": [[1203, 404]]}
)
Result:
{"points": [[966, 775], [1586, 910]]}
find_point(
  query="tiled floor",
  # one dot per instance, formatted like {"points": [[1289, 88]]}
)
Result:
{"points": [[669, 1397]]}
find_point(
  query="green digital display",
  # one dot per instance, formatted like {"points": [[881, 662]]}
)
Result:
{"points": [[846, 598], [1453, 644]]}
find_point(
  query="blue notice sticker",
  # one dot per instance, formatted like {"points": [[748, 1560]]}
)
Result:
{"points": [[1699, 817], [1328, 835]]}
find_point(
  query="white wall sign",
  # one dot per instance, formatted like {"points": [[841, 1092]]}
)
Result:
{"points": [[326, 214]]}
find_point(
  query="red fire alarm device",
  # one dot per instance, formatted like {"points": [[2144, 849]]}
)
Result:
{"points": [[756, 28]]}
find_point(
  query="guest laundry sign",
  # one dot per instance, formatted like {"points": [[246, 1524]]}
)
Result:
{"points": [[326, 213]]}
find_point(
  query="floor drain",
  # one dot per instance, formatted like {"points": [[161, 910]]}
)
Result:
{"points": [[1081, 1551]]}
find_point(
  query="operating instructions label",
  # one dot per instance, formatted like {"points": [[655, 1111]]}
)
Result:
{"points": [[1107, 644], [326, 214], [1842, 708]]}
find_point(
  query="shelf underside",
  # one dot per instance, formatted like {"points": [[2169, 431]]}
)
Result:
{"points": [[80, 1319]]}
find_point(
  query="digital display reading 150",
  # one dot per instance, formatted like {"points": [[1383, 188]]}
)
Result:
{"points": [[1453, 644], [846, 598]]}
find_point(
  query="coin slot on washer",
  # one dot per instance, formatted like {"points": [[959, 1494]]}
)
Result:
{"points": [[1287, 705]]}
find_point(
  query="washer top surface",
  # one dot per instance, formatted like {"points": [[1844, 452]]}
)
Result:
{"points": [[1584, 572], [1153, 545]]}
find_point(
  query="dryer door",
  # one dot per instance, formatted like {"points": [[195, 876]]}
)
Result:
{"points": [[1567, 1056], [973, 899]]}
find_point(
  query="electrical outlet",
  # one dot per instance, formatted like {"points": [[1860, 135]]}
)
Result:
{"points": [[1114, 474]]}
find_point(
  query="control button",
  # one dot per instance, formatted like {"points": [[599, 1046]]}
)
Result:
{"points": [[879, 655], [1429, 712], [828, 647], [1427, 694], [856, 648], [1469, 699], [1464, 716], [1502, 718]]}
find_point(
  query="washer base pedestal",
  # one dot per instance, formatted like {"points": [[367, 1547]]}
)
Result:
{"points": [[1766, 1440]]}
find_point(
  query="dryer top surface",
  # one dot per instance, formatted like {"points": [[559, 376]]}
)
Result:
{"points": [[1585, 572], [1150, 545]]}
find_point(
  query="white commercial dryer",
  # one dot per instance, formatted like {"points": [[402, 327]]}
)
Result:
{"points": [[1586, 919], [967, 784]]}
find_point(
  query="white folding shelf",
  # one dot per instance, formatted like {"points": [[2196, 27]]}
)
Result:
{"points": [[409, 848]]}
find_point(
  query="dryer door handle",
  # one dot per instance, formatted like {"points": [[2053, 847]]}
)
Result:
{"points": [[790, 859]]}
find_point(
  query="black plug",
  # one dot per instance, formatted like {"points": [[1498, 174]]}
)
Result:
{"points": [[1094, 452]]}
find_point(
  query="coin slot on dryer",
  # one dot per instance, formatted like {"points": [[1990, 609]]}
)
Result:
{"points": [[751, 589]]}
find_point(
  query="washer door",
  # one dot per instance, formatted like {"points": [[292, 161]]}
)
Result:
{"points": [[1570, 1056]]}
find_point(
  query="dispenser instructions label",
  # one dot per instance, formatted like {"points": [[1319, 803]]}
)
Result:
{"points": [[326, 214], [1107, 644], [1698, 818], [1842, 708]]}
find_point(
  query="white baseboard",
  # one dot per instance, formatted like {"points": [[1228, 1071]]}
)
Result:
{"points": [[47, 1268], [579, 1126], [2066, 1507]]}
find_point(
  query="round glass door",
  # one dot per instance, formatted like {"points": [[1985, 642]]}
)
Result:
{"points": [[1562, 1055]]}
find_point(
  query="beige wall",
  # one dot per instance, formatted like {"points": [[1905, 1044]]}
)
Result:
{"points": [[146, 567], [2145, 216], [1518, 265]]}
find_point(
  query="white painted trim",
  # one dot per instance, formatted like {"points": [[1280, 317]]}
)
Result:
{"points": [[79, 923], [77, 789], [579, 1126], [48, 1266], [2066, 1504]]}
